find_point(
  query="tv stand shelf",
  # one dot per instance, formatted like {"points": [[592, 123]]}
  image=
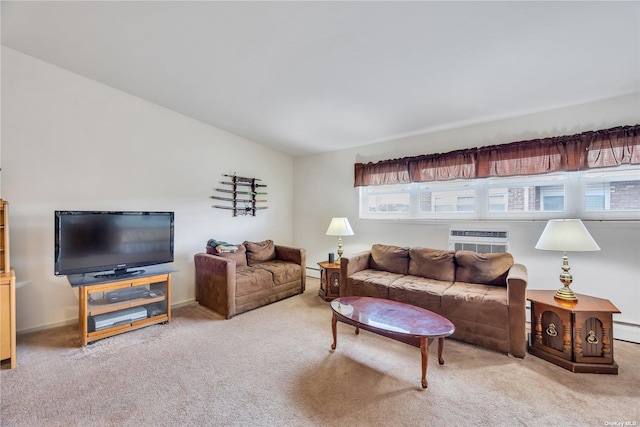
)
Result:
{"points": [[115, 306], [95, 309]]}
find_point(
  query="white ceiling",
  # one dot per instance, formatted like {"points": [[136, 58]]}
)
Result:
{"points": [[308, 77]]}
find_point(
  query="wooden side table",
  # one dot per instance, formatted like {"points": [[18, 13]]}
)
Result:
{"points": [[577, 336], [329, 280]]}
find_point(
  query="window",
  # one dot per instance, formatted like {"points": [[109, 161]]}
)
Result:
{"points": [[526, 194], [418, 200], [615, 190], [551, 198], [388, 199], [612, 193], [446, 197]]}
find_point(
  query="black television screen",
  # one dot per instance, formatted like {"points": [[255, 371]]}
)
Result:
{"points": [[92, 242]]}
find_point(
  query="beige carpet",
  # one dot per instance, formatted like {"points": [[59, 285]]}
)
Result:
{"points": [[273, 367]]}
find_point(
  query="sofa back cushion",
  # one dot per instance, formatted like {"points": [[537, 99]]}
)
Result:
{"points": [[258, 252], [239, 256], [393, 259], [485, 269], [432, 264]]}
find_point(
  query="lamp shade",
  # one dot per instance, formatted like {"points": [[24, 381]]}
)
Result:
{"points": [[339, 227], [566, 235]]}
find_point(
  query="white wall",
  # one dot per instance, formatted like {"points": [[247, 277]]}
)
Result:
{"points": [[72, 143], [324, 189]]}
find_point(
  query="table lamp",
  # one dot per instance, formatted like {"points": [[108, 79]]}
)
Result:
{"points": [[566, 235], [339, 227]]}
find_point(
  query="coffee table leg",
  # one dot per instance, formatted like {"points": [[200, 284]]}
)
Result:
{"points": [[334, 321], [440, 348], [424, 350]]}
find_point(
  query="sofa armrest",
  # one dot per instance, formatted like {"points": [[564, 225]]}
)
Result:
{"points": [[296, 256], [350, 265], [517, 279], [216, 283]]}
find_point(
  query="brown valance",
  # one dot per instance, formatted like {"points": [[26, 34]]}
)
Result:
{"points": [[614, 147], [594, 149], [532, 157], [443, 167], [381, 173]]}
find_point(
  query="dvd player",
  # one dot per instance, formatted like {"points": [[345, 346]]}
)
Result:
{"points": [[119, 317], [127, 294]]}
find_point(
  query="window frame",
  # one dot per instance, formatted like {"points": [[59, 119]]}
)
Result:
{"points": [[575, 185]]}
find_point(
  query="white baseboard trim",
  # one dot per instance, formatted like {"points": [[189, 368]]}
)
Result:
{"points": [[626, 332], [313, 272], [49, 326]]}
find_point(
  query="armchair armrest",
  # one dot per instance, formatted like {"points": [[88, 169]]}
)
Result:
{"points": [[350, 265], [216, 283], [296, 256], [517, 279]]}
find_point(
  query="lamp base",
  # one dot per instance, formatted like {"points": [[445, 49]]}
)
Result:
{"points": [[565, 294]]}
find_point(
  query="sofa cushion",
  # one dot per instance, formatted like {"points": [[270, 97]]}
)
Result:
{"points": [[372, 283], [432, 264], [282, 271], [485, 304], [252, 279], [390, 258], [486, 269], [239, 256], [260, 251], [419, 291]]}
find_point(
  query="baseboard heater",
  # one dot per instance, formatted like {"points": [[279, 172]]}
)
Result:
{"points": [[120, 317]]}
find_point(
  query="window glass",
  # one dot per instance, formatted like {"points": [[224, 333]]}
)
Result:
{"points": [[612, 190], [446, 197], [526, 194], [387, 198], [612, 193]]}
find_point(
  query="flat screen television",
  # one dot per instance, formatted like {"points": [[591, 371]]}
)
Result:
{"points": [[111, 243]]}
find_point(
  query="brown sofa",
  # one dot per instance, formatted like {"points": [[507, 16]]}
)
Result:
{"points": [[482, 294], [258, 273]]}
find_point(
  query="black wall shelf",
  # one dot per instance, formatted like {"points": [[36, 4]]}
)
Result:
{"points": [[244, 194]]}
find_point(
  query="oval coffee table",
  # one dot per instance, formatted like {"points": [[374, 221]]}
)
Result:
{"points": [[399, 321]]}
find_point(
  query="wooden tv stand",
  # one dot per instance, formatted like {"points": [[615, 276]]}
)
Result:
{"points": [[111, 306]]}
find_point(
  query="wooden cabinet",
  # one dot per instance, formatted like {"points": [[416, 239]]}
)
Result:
{"points": [[8, 317], [7, 292], [111, 308], [577, 336], [329, 280], [4, 237]]}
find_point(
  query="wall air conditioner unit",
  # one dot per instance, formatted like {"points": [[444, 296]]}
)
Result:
{"points": [[482, 241]]}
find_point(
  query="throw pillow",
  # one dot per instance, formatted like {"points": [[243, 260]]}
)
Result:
{"points": [[239, 256], [432, 264], [485, 269], [393, 259], [260, 251]]}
